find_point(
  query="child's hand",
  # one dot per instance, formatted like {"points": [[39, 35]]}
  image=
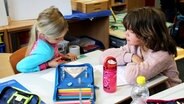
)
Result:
{"points": [[136, 59], [71, 56], [56, 61]]}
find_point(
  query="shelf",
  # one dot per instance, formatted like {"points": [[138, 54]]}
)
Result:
{"points": [[118, 4], [94, 25]]}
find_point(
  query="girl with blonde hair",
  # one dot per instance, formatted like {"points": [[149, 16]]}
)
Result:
{"points": [[42, 51]]}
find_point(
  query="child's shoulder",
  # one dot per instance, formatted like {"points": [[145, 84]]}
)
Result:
{"points": [[162, 55], [43, 47], [42, 42]]}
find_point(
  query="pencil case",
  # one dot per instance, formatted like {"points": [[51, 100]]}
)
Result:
{"points": [[74, 84]]}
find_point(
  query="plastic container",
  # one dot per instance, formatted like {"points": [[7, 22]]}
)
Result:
{"points": [[140, 91]]}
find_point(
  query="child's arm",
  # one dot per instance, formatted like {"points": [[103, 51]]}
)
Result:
{"points": [[70, 57], [56, 61], [59, 60], [32, 63], [123, 55], [41, 53], [136, 59], [155, 63]]}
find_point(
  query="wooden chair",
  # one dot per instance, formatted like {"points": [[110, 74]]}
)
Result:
{"points": [[16, 57], [179, 62]]}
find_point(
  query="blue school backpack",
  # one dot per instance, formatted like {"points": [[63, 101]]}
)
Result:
{"points": [[13, 95], [177, 30]]}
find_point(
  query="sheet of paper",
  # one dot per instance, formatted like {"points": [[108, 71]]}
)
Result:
{"points": [[120, 74], [50, 75], [74, 63]]}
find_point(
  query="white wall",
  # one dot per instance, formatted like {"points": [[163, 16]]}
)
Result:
{"points": [[3, 15], [29, 9]]}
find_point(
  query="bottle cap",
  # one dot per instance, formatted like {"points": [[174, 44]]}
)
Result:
{"points": [[111, 61], [141, 80]]}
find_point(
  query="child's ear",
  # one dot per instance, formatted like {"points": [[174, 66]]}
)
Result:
{"points": [[42, 36]]}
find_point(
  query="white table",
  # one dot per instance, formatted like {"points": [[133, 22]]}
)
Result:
{"points": [[42, 83], [171, 93]]}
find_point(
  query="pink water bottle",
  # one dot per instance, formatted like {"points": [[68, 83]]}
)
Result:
{"points": [[109, 74]]}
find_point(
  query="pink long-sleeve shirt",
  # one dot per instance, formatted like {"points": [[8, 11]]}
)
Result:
{"points": [[154, 63]]}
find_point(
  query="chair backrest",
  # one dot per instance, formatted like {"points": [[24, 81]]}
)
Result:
{"points": [[16, 57]]}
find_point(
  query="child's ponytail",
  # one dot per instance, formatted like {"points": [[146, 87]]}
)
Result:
{"points": [[32, 39]]}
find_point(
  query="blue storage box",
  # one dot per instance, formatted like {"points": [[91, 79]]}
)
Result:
{"points": [[116, 42], [2, 48], [74, 84]]}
